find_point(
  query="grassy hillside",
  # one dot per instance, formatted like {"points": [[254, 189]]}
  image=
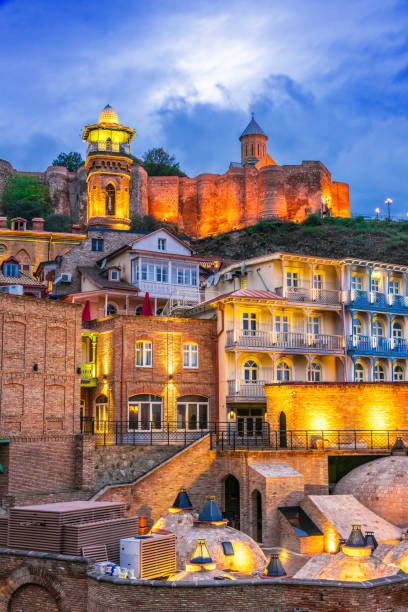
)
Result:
{"points": [[332, 237]]}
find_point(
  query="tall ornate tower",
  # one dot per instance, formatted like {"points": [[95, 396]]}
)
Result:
{"points": [[253, 143], [108, 165]]}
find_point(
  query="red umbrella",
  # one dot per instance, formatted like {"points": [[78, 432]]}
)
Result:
{"points": [[147, 310], [86, 311]]}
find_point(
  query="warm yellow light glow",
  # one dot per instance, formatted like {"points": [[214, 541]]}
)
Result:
{"points": [[175, 510], [283, 554], [331, 546], [198, 568], [351, 551]]}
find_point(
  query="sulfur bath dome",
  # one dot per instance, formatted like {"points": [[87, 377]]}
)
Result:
{"points": [[247, 557], [380, 485]]}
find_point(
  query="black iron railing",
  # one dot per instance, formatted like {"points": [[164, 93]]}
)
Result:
{"points": [[245, 434]]}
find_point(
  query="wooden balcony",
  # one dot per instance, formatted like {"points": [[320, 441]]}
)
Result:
{"points": [[291, 342]]}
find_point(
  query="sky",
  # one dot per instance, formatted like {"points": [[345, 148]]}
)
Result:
{"points": [[327, 80]]}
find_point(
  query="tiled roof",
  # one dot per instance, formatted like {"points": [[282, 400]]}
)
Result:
{"points": [[21, 279], [99, 278], [253, 128], [254, 294]]}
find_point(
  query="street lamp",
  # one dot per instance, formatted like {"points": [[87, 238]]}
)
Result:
{"points": [[377, 212], [388, 202]]}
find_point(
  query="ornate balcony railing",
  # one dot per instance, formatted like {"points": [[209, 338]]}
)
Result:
{"points": [[305, 293], [88, 378], [242, 388], [376, 299], [113, 147], [165, 290], [396, 347], [287, 340]]}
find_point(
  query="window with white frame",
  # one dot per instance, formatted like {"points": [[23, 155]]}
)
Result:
{"points": [[283, 372], [359, 373], [156, 272], [161, 244], [114, 275], [317, 281], [144, 354], [190, 355], [101, 414], [315, 372], [313, 325], [357, 327], [396, 330], [356, 282], [292, 279], [378, 329], [249, 323], [184, 274], [379, 372], [250, 371], [376, 285], [398, 373], [394, 287], [145, 412], [192, 412], [281, 324]]}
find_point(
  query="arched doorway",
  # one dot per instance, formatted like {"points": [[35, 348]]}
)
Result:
{"points": [[282, 430], [32, 595], [232, 502], [257, 515]]}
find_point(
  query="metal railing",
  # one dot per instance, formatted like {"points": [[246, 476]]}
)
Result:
{"points": [[288, 340], [304, 293], [102, 145], [87, 370], [243, 388], [378, 344], [358, 297]]}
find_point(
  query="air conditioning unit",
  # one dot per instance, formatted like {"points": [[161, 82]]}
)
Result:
{"points": [[63, 278], [228, 276], [12, 289], [150, 556]]}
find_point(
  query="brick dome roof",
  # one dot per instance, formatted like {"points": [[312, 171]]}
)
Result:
{"points": [[108, 115], [380, 485]]}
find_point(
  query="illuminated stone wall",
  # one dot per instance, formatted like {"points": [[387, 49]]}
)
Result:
{"points": [[331, 406]]}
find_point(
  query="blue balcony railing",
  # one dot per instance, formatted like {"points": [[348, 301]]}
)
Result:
{"points": [[377, 345], [376, 300]]}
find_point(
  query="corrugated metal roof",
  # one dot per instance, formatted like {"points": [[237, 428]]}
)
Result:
{"points": [[254, 294]]}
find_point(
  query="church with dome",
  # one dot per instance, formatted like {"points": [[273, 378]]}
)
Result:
{"points": [[113, 186]]}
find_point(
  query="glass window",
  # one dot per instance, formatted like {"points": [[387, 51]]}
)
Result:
{"points": [[97, 244], [357, 327], [101, 414], [283, 372], [281, 323], [379, 373], [292, 279], [114, 275], [10, 269], [111, 310], [190, 355], [375, 285], [144, 354], [184, 274], [161, 244], [192, 412], [249, 323], [250, 371], [315, 372], [394, 287], [161, 274], [398, 374], [396, 330], [110, 199], [317, 281], [359, 373], [313, 325], [144, 412], [356, 282], [378, 329]]}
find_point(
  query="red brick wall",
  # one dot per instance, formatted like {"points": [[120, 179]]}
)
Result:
{"points": [[34, 598]]}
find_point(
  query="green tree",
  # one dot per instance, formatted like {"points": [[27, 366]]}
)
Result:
{"points": [[157, 162], [58, 223], [145, 223], [25, 196], [72, 161]]}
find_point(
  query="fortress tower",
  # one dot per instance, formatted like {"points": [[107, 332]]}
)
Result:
{"points": [[108, 166], [253, 143]]}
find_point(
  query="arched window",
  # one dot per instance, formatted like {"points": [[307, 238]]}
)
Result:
{"points": [[378, 329], [110, 199], [257, 515], [190, 355], [396, 330], [250, 371], [283, 372], [357, 327], [232, 500], [138, 311], [145, 412], [192, 412], [315, 372], [246, 149], [109, 144], [398, 374], [111, 310], [101, 414], [379, 372], [359, 373], [252, 149]]}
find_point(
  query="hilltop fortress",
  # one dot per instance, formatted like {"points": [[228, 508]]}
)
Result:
{"points": [[112, 187]]}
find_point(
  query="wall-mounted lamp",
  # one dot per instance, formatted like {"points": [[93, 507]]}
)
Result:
{"points": [[105, 378], [231, 415], [35, 367]]}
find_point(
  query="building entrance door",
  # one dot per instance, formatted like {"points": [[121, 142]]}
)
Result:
{"points": [[250, 422]]}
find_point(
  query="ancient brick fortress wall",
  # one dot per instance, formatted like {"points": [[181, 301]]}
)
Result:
{"points": [[208, 203]]}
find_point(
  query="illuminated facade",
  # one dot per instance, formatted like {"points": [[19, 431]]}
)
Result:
{"points": [[108, 165]]}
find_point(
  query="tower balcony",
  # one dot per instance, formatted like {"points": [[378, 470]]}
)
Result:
{"points": [[88, 378], [377, 346], [107, 147], [294, 342]]}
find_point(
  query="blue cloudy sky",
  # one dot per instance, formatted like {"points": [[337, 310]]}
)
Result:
{"points": [[327, 80]]}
